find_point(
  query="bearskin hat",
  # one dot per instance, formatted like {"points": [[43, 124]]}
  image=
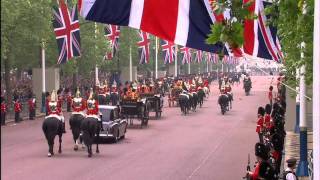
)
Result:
{"points": [[261, 151], [268, 108], [266, 171], [261, 111], [271, 88]]}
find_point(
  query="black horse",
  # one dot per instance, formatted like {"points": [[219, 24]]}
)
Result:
{"points": [[51, 127], [75, 125], [230, 98], [201, 96], [184, 103], [223, 101], [90, 128], [247, 86], [194, 101]]}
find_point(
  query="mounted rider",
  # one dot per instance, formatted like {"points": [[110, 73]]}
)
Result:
{"points": [[55, 110], [78, 104], [114, 88], [92, 106]]}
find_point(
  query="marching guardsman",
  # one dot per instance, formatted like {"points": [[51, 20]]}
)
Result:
{"points": [[69, 100], [32, 107], [263, 170], [78, 104], [54, 109], [260, 122], [17, 109], [3, 111], [92, 106]]}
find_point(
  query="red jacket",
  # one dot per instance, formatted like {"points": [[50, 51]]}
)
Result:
{"points": [[57, 111], [267, 121], [69, 98], [259, 124], [32, 104], [270, 95], [17, 107], [255, 174], [80, 107], [94, 110], [3, 107]]}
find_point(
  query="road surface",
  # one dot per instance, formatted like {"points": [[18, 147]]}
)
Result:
{"points": [[203, 145]]}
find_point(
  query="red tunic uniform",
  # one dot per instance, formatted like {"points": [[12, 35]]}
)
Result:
{"points": [[92, 109], [259, 124], [17, 107], [56, 111], [267, 121], [78, 105], [3, 107], [255, 174], [32, 104]]}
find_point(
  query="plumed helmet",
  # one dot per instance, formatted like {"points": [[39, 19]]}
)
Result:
{"points": [[78, 93], [53, 96], [91, 94], [266, 171], [268, 108], [261, 151], [261, 111], [114, 84]]}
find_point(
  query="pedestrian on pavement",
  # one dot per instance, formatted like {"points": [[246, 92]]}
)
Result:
{"points": [[260, 122], [17, 109], [289, 173], [3, 111], [270, 94], [32, 106]]}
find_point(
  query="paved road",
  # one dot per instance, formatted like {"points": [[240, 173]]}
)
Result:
{"points": [[203, 145]]}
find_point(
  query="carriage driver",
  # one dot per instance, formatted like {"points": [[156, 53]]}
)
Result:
{"points": [[54, 109], [92, 106], [78, 104]]}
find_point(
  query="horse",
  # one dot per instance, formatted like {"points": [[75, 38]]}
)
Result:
{"points": [[75, 125], [201, 95], [52, 126], [184, 103], [90, 128], [194, 101], [206, 91], [230, 99], [114, 97], [223, 102], [247, 86]]}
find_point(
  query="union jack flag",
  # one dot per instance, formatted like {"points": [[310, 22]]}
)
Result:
{"points": [[225, 59], [168, 51], [112, 33], [67, 30], [144, 49], [209, 56], [198, 56], [186, 55], [215, 58]]}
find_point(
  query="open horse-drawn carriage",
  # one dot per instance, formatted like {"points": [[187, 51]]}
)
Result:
{"points": [[174, 95], [154, 102], [131, 109]]}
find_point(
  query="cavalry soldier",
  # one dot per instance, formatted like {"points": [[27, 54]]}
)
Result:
{"points": [[92, 106], [3, 111], [228, 87], [78, 104], [17, 109], [54, 109], [32, 107]]}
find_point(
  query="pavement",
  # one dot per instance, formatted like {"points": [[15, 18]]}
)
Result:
{"points": [[203, 145]]}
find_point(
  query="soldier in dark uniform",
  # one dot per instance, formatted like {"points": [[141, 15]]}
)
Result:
{"points": [[263, 170], [32, 107], [17, 109], [47, 103], [3, 111]]}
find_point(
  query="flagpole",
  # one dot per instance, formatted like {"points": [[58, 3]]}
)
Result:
{"points": [[96, 68], [130, 64], [156, 71], [176, 61], [316, 92], [207, 66], [43, 62], [189, 68]]}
